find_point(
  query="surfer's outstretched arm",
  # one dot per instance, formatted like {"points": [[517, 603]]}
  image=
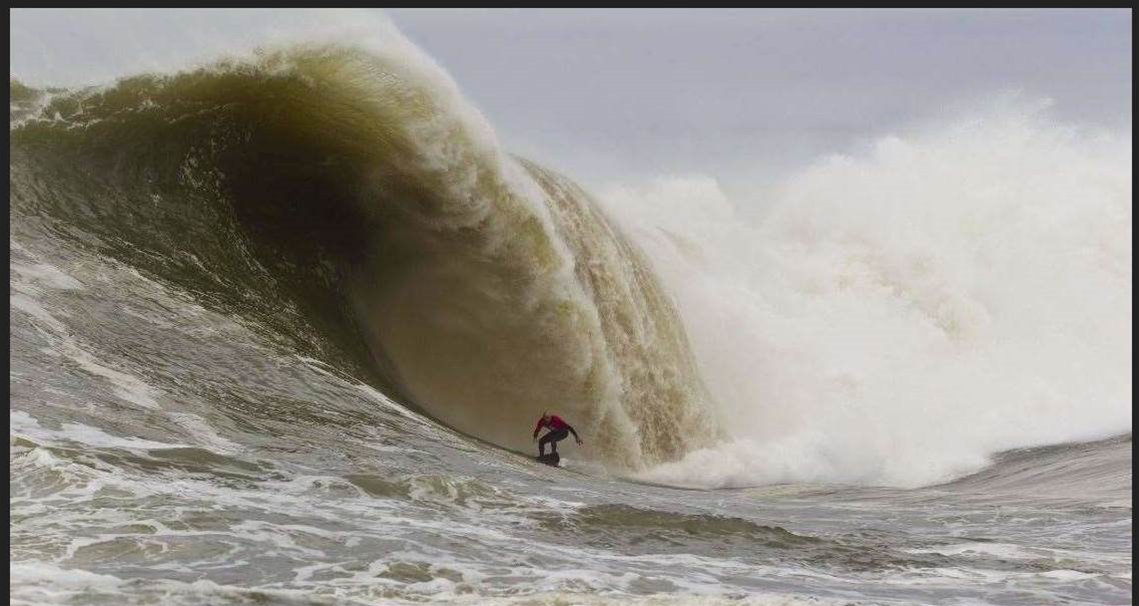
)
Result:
{"points": [[570, 427]]}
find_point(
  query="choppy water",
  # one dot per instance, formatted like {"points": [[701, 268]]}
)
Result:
{"points": [[241, 339], [164, 453]]}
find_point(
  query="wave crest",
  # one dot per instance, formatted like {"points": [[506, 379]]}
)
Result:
{"points": [[349, 199]]}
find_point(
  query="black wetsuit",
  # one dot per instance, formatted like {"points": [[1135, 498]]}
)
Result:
{"points": [[551, 438], [559, 430]]}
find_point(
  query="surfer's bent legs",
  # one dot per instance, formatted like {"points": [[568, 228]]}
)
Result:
{"points": [[552, 437]]}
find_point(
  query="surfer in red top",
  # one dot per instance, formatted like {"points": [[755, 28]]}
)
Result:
{"points": [[558, 430]]}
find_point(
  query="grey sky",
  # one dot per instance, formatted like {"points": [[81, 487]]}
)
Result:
{"points": [[607, 93], [725, 91]]}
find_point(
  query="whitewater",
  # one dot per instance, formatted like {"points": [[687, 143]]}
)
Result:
{"points": [[283, 312]]}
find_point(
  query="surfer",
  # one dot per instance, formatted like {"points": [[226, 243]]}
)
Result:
{"points": [[558, 430]]}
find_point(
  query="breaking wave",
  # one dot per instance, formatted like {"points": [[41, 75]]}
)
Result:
{"points": [[349, 198]]}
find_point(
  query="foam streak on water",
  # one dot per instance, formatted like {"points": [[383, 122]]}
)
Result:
{"points": [[295, 484], [280, 326]]}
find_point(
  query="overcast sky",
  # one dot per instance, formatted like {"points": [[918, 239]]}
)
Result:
{"points": [[605, 93]]}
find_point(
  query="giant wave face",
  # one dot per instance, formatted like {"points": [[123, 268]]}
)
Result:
{"points": [[350, 199], [897, 316]]}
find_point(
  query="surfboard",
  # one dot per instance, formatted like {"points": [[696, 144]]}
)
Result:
{"points": [[551, 459]]}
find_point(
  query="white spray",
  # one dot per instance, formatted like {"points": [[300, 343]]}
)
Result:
{"points": [[898, 317]]}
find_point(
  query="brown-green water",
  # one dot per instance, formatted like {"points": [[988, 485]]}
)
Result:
{"points": [[277, 328]]}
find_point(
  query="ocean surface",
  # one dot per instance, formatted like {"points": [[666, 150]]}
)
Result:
{"points": [[280, 327]]}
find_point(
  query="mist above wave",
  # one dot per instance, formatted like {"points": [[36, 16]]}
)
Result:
{"points": [[899, 315]]}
